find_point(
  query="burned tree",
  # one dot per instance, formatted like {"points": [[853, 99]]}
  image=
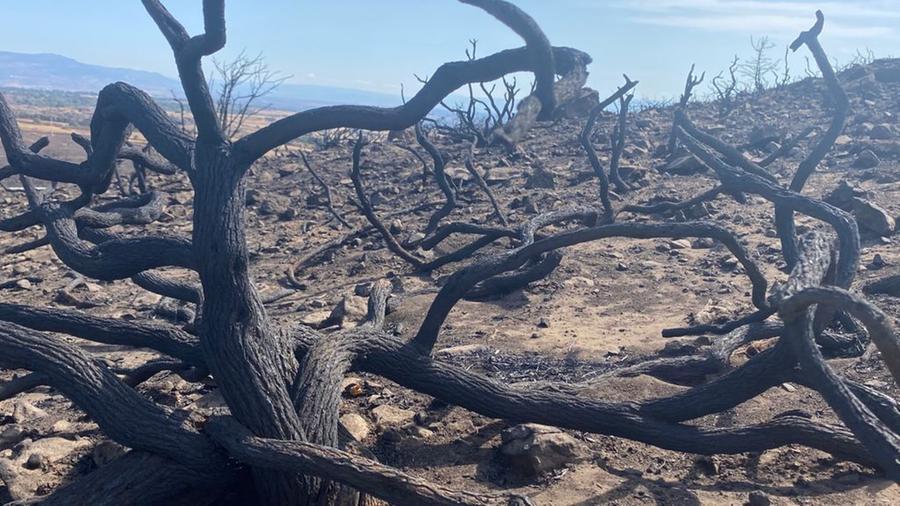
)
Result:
{"points": [[726, 88], [282, 385], [617, 142], [689, 84], [253, 362]]}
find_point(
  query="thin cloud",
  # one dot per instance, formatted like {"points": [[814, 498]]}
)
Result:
{"points": [[856, 19], [762, 24]]}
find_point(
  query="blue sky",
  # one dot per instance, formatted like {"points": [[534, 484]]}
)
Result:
{"points": [[377, 45]]}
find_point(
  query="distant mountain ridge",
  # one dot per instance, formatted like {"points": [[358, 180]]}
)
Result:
{"points": [[47, 71]]}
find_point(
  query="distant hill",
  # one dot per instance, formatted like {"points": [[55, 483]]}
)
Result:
{"points": [[55, 72]]}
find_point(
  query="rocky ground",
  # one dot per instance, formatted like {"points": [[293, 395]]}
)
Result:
{"points": [[602, 309]]}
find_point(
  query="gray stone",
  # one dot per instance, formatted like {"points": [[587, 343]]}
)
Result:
{"points": [[866, 159], [703, 243], [357, 426], [362, 289], [540, 178], [11, 435], [24, 411], [533, 449], [758, 498], [351, 310], [873, 217], [679, 244], [272, 206], [881, 132], [685, 166], [106, 452], [35, 461], [463, 349], [387, 415]]}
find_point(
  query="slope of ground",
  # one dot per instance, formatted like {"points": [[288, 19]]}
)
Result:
{"points": [[603, 308]]}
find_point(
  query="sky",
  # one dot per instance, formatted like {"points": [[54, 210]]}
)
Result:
{"points": [[378, 45]]}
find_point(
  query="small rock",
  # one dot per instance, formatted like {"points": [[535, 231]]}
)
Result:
{"points": [[679, 244], [210, 402], [788, 387], [396, 227], [23, 284], [317, 304], [463, 349], [703, 243], [414, 238], [540, 178], [762, 135], [315, 318], [843, 140], [92, 287], [63, 297], [543, 323], [353, 387], [392, 436], [106, 452], [35, 461], [421, 432], [729, 263], [252, 197], [288, 214], [866, 159], [578, 281], [357, 426], [350, 309], [24, 411], [707, 465], [387, 415], [11, 435], [621, 267], [362, 289], [534, 449], [877, 262], [685, 166], [60, 426], [758, 498], [881, 132], [873, 217], [272, 207]]}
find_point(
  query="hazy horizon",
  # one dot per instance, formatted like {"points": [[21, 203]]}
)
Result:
{"points": [[379, 46]]}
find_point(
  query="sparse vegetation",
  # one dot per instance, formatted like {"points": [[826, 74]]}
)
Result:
{"points": [[727, 88], [480, 116], [240, 85], [759, 68]]}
